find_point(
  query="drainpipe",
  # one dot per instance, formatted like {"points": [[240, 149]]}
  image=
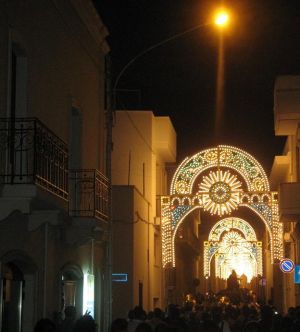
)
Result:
{"points": [[45, 269], [92, 256], [148, 258], [1, 295], [110, 108]]}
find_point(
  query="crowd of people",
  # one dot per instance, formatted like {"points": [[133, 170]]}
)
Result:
{"points": [[205, 317], [210, 317]]}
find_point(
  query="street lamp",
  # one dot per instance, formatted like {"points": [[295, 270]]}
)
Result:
{"points": [[221, 20]]}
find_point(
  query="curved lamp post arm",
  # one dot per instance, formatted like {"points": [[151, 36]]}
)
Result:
{"points": [[148, 50]]}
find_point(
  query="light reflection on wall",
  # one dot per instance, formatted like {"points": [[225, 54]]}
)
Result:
{"points": [[88, 294]]}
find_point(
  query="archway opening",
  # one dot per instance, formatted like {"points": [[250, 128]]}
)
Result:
{"points": [[234, 254], [18, 286], [233, 246], [72, 287]]}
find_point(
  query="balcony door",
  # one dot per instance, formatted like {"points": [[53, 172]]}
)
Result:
{"points": [[75, 139], [18, 82], [75, 159], [15, 165]]}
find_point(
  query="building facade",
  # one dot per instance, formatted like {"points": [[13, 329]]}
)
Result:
{"points": [[143, 144], [53, 200], [285, 176]]}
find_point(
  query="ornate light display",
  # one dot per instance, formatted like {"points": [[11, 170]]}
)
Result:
{"points": [[221, 156], [234, 244], [220, 192]]}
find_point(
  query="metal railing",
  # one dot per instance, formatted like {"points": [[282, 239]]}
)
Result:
{"points": [[88, 197], [31, 153]]}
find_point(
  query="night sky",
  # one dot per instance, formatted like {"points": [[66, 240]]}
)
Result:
{"points": [[178, 79]]}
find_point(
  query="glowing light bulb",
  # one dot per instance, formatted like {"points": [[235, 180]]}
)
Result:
{"points": [[221, 18]]}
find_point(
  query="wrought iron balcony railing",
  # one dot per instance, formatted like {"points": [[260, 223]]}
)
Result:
{"points": [[31, 153], [88, 194]]}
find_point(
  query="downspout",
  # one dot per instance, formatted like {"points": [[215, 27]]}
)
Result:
{"points": [[1, 295], [92, 256], [148, 254], [45, 269], [110, 109]]}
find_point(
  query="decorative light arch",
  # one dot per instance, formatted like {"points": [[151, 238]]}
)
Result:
{"points": [[229, 178], [244, 240]]}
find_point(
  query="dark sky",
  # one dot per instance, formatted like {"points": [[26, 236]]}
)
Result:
{"points": [[178, 79]]}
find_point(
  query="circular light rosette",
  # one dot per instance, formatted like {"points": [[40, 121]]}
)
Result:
{"points": [[220, 192]]}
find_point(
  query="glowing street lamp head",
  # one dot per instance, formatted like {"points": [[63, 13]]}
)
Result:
{"points": [[221, 18]]}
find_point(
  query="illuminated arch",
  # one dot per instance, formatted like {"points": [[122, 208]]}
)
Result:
{"points": [[229, 178], [221, 156], [243, 240], [232, 223]]}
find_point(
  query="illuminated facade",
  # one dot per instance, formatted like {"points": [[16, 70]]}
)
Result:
{"points": [[143, 144], [285, 177]]}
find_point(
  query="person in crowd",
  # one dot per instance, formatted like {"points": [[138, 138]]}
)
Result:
{"points": [[157, 318], [175, 319], [67, 325], [296, 322], [45, 325], [119, 325], [85, 323], [143, 327], [251, 326], [232, 281], [266, 318], [217, 317], [135, 317]]}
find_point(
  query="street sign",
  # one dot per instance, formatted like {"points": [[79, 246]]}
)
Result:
{"points": [[119, 277], [297, 274], [287, 265]]}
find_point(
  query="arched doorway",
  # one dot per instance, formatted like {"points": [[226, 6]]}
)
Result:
{"points": [[18, 284], [72, 287], [220, 181]]}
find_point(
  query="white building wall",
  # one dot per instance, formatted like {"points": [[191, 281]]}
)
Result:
{"points": [[60, 46], [285, 174], [139, 156]]}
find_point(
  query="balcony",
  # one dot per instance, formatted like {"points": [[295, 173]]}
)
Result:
{"points": [[289, 201], [30, 153], [88, 194]]}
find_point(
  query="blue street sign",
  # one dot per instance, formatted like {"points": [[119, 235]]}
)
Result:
{"points": [[287, 265], [297, 274], [119, 277]]}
